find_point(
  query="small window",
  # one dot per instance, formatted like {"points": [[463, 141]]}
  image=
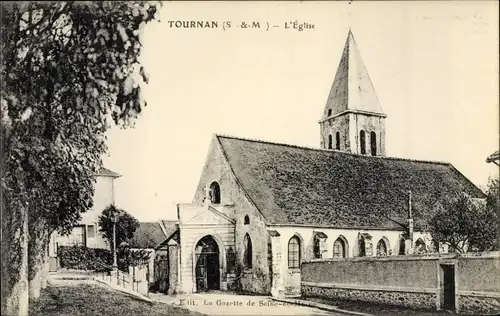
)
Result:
{"points": [[294, 253], [362, 142], [373, 143], [91, 231], [214, 193], [316, 248], [362, 247], [248, 256], [420, 246], [337, 141], [402, 250], [329, 112], [330, 142], [246, 220], [77, 237]]}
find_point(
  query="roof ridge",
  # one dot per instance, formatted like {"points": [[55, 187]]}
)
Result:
{"points": [[332, 150]]}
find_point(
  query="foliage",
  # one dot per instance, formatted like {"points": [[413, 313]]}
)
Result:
{"points": [[69, 71], [83, 258], [131, 257], [467, 224], [126, 225]]}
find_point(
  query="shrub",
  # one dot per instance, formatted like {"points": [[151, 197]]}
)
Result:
{"points": [[83, 258]]}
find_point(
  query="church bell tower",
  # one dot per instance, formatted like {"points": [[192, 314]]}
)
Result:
{"points": [[353, 120]]}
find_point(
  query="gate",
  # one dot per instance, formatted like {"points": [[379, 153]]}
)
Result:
{"points": [[161, 273]]}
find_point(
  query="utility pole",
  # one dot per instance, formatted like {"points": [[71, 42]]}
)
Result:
{"points": [[115, 262]]}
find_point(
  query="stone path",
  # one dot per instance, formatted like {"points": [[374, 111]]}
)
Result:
{"points": [[232, 304]]}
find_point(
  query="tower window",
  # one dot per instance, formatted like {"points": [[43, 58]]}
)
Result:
{"points": [[246, 220], [329, 112], [337, 141], [373, 143], [330, 141], [362, 142]]}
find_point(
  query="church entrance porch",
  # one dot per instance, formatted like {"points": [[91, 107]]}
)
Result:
{"points": [[207, 265]]}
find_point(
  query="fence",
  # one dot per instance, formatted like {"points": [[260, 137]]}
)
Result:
{"points": [[136, 280], [468, 283]]}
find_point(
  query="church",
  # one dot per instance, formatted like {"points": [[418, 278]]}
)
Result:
{"points": [[263, 208]]}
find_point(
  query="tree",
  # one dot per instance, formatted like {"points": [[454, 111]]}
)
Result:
{"points": [[467, 224], [69, 72], [126, 225]]}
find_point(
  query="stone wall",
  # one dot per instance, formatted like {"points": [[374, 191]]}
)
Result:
{"points": [[412, 281], [389, 297], [470, 305]]}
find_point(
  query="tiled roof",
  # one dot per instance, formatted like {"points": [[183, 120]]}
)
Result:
{"points": [[148, 235], [293, 185], [170, 227], [108, 173], [173, 236]]}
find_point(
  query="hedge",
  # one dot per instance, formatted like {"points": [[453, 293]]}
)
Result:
{"points": [[83, 258]]}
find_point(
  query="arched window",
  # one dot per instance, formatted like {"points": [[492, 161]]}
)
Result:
{"points": [[330, 142], [294, 253], [381, 248], [337, 141], [246, 220], [373, 143], [329, 112], [419, 246], [340, 248], [362, 142], [248, 255], [215, 193]]}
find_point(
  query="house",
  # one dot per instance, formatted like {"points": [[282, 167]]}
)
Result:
{"points": [[86, 232], [148, 237], [261, 208]]}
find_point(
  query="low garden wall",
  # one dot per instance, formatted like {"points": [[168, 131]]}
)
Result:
{"points": [[410, 281]]}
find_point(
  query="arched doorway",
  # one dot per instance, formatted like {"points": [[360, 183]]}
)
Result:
{"points": [[207, 265]]}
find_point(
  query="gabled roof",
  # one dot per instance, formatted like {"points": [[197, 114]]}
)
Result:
{"points": [[108, 173], [148, 235], [169, 227], [175, 236], [293, 185], [352, 88]]}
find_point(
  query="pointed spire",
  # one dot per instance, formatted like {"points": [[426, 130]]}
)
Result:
{"points": [[352, 88]]}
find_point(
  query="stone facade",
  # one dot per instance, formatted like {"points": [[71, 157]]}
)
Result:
{"points": [[349, 126]]}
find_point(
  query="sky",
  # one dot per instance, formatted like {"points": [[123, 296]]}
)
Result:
{"points": [[434, 66]]}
